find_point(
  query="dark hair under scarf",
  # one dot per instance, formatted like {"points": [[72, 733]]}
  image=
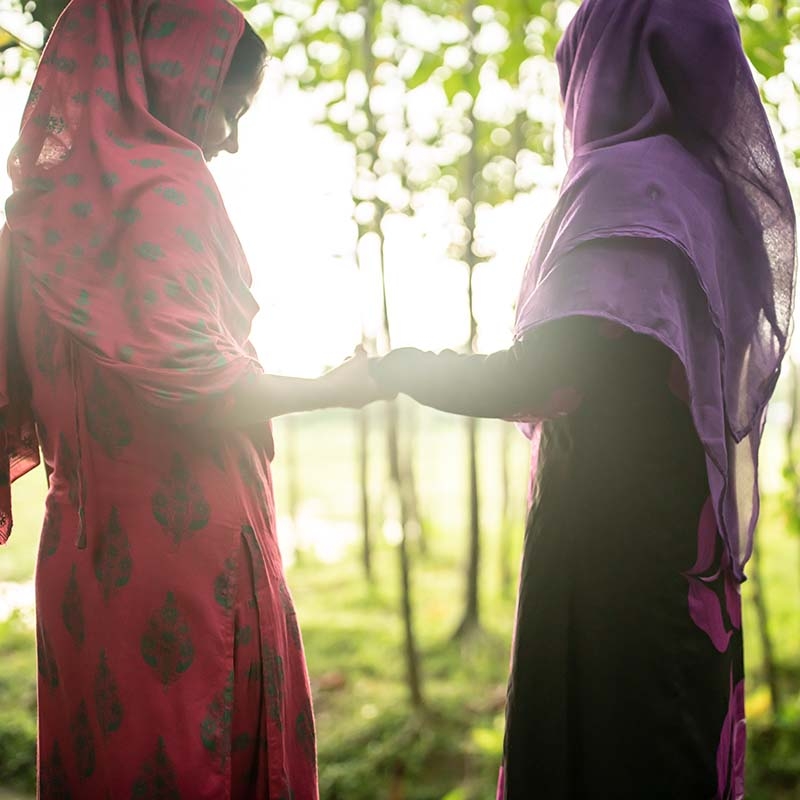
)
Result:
{"points": [[669, 140], [249, 59]]}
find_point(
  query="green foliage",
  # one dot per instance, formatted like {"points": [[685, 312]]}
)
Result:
{"points": [[20, 41], [416, 752], [46, 12], [768, 27], [17, 749], [467, 50], [789, 500], [340, 37], [352, 51], [367, 61], [17, 704], [774, 760], [369, 741]]}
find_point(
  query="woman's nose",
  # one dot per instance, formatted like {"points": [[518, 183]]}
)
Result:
{"points": [[232, 142]]}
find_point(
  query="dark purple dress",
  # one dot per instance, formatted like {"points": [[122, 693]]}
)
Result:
{"points": [[627, 667]]}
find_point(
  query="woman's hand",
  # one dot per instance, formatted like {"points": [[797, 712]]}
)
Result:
{"points": [[351, 385]]}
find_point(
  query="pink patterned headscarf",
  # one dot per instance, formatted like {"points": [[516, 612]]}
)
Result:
{"points": [[115, 219]]}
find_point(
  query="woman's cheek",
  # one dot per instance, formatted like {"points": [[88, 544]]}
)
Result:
{"points": [[218, 130]]}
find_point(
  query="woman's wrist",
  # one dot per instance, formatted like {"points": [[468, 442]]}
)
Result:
{"points": [[394, 371], [328, 392]]}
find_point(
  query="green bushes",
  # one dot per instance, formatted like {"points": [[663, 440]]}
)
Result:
{"points": [[17, 704]]}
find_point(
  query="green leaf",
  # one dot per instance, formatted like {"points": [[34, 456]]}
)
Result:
{"points": [[454, 84], [427, 66]]}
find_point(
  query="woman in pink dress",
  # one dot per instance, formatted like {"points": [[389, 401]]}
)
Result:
{"points": [[169, 654]]}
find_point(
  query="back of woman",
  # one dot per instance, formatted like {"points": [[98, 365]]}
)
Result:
{"points": [[651, 323], [160, 594], [170, 658]]}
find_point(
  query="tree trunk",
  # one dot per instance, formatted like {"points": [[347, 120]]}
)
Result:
{"points": [[506, 520], [369, 12], [289, 453], [790, 470], [413, 670], [363, 482], [792, 487], [470, 622], [409, 482], [770, 672]]}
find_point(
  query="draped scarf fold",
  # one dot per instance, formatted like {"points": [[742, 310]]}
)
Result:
{"points": [[669, 140], [115, 220]]}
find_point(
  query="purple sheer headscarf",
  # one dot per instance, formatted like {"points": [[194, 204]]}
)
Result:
{"points": [[669, 140]]}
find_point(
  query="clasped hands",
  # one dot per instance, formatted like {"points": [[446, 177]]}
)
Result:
{"points": [[352, 386]]}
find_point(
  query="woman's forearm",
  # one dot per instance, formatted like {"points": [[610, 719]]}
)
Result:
{"points": [[262, 397], [257, 398], [508, 384], [471, 385]]}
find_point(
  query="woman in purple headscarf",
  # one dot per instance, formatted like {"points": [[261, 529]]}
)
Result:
{"points": [[651, 324]]}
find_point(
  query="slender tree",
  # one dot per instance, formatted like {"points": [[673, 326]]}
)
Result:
{"points": [[762, 618], [289, 447], [340, 59], [491, 57], [506, 515], [363, 428], [791, 460]]}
